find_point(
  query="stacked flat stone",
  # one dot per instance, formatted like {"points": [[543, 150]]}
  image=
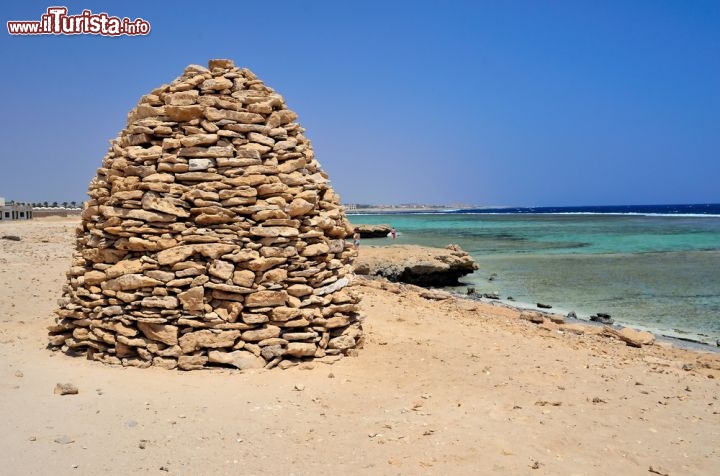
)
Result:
{"points": [[211, 237]]}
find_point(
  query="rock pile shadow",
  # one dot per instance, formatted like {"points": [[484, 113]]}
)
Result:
{"points": [[211, 237]]}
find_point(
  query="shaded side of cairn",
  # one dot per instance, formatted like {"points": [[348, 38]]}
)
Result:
{"points": [[211, 237]]}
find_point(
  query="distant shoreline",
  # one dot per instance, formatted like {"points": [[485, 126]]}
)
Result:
{"points": [[680, 210], [398, 210]]}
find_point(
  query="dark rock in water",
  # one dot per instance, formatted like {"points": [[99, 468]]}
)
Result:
{"points": [[571, 315], [11, 237], [544, 306], [492, 277], [510, 298], [491, 296], [602, 318], [603, 315], [470, 291], [717, 342]]}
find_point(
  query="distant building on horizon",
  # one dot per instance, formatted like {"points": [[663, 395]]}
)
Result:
{"points": [[14, 211]]}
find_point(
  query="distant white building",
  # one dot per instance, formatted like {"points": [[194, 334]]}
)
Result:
{"points": [[14, 211]]}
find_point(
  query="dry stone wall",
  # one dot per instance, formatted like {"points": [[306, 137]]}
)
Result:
{"points": [[211, 237]]}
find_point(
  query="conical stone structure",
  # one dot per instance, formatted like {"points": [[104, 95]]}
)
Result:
{"points": [[211, 237]]}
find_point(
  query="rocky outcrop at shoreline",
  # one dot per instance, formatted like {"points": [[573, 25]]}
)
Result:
{"points": [[373, 231], [419, 265]]}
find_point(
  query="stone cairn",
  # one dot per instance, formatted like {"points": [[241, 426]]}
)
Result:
{"points": [[211, 237]]}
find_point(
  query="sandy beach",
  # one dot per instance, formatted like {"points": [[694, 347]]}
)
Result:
{"points": [[447, 386]]}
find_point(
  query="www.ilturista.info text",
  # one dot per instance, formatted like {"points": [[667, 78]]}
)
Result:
{"points": [[57, 22]]}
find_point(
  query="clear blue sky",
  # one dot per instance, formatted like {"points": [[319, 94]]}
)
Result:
{"points": [[480, 102]]}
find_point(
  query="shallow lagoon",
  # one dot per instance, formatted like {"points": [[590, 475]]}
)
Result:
{"points": [[656, 272]]}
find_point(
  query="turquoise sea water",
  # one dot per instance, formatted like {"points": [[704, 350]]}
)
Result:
{"points": [[660, 273]]}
